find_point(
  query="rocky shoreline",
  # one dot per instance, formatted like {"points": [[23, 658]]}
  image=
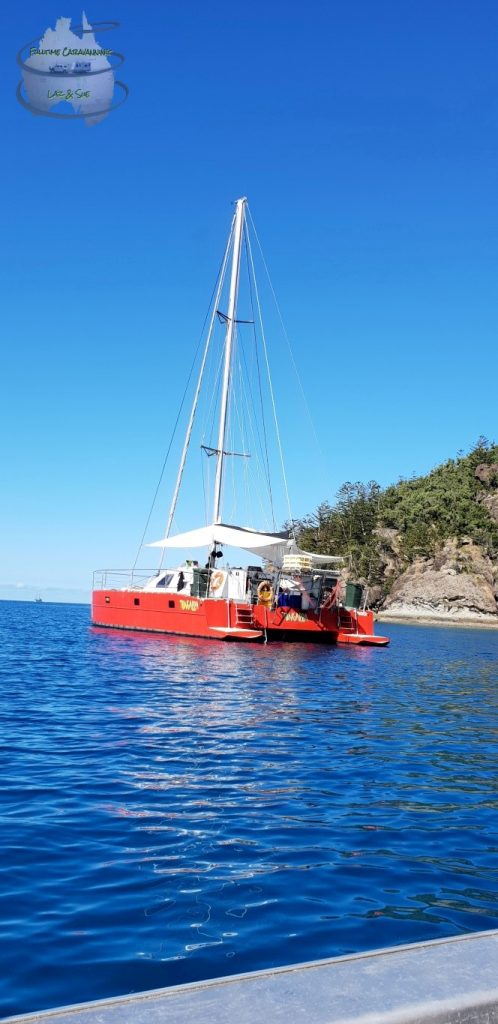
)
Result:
{"points": [[458, 584], [411, 619], [426, 549]]}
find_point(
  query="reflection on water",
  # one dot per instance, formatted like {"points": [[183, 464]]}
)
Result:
{"points": [[176, 809]]}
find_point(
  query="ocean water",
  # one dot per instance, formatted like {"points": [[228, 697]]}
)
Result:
{"points": [[173, 809]]}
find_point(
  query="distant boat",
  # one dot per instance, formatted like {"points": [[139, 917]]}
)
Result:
{"points": [[294, 595], [38, 600]]}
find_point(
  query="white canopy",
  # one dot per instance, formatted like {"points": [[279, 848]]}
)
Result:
{"points": [[272, 546]]}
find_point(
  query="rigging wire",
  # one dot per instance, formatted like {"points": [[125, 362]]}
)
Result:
{"points": [[259, 486], [246, 487], [180, 409], [208, 434], [291, 353], [146, 527], [200, 378], [203, 480], [254, 427], [263, 421], [236, 484], [265, 350], [236, 420], [240, 419]]}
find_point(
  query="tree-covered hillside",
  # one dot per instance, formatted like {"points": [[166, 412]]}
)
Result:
{"points": [[422, 513]]}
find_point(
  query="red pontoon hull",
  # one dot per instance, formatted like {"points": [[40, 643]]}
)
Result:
{"points": [[224, 620]]}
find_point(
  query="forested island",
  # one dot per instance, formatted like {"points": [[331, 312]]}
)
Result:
{"points": [[426, 547]]}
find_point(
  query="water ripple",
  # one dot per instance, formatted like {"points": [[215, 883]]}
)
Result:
{"points": [[179, 809]]}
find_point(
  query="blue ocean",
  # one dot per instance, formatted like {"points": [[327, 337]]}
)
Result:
{"points": [[175, 809]]}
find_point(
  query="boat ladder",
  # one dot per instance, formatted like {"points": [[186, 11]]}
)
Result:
{"points": [[244, 616], [346, 622]]}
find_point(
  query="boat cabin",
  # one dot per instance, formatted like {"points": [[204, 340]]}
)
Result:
{"points": [[289, 588]]}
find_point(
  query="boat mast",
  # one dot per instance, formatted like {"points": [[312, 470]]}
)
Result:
{"points": [[232, 306]]}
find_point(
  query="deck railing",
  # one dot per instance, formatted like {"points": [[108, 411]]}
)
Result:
{"points": [[121, 579]]}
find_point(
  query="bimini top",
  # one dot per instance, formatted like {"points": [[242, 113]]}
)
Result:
{"points": [[272, 546]]}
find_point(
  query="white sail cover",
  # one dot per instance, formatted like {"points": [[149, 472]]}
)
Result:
{"points": [[272, 546]]}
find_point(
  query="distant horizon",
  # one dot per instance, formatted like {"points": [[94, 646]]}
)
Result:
{"points": [[28, 594], [27, 600]]}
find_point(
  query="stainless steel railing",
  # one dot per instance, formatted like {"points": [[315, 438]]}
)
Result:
{"points": [[121, 579]]}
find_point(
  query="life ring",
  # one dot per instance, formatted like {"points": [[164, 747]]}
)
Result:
{"points": [[265, 592], [217, 580]]}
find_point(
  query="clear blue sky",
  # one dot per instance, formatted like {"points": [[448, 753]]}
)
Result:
{"points": [[364, 135]]}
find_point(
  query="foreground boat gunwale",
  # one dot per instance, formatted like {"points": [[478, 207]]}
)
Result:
{"points": [[450, 979]]}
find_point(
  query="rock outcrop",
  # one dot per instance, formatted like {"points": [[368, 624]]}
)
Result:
{"points": [[490, 502], [458, 584], [425, 547], [487, 473]]}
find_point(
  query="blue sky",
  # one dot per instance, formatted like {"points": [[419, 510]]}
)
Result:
{"points": [[364, 135]]}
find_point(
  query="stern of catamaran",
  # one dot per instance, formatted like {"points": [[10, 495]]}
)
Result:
{"points": [[247, 603]]}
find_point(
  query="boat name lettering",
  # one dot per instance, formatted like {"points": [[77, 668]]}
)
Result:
{"points": [[189, 606], [296, 616], [67, 94], [68, 52]]}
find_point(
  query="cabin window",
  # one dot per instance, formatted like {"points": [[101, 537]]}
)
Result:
{"points": [[136, 600], [171, 604], [165, 581], [107, 599]]}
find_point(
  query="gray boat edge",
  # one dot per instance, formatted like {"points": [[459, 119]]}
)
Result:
{"points": [[443, 981]]}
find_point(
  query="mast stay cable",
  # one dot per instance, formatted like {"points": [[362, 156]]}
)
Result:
{"points": [[291, 353], [265, 350], [263, 420], [188, 432], [182, 402]]}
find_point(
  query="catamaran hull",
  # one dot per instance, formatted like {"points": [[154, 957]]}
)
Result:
{"points": [[229, 620]]}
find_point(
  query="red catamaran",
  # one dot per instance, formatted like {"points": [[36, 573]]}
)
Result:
{"points": [[292, 595]]}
